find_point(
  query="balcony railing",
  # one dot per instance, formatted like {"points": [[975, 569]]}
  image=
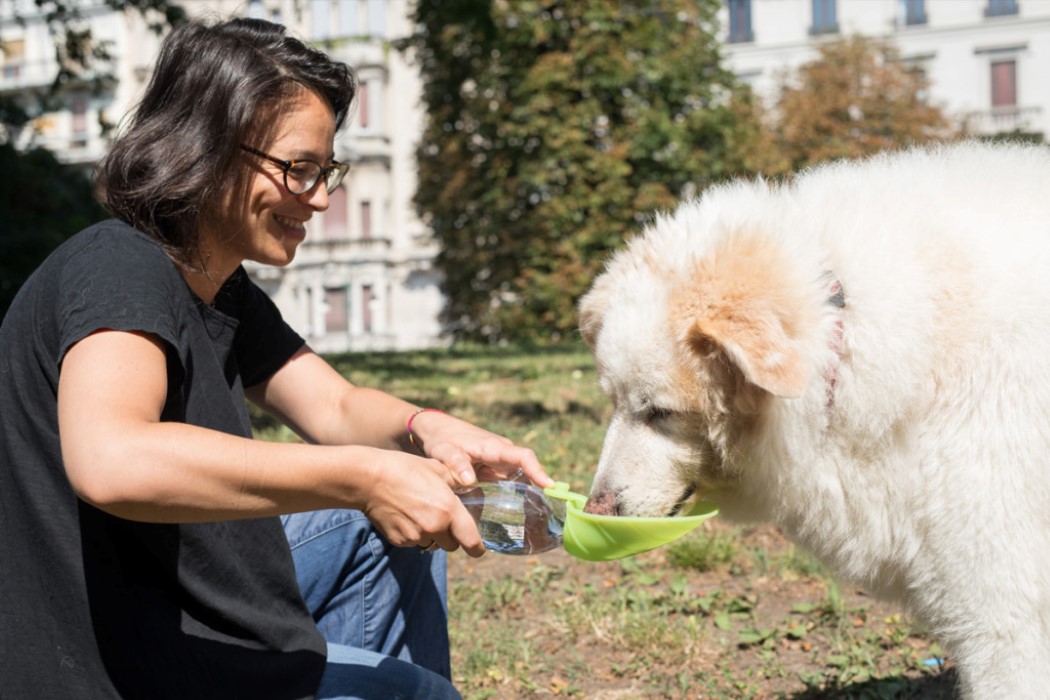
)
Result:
{"points": [[1002, 119], [314, 250], [27, 75], [23, 75]]}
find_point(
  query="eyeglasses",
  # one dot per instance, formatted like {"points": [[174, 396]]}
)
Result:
{"points": [[300, 176]]}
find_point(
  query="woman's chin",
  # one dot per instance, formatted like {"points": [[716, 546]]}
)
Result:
{"points": [[279, 257], [285, 259]]}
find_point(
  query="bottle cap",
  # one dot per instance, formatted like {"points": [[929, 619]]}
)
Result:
{"points": [[606, 537]]}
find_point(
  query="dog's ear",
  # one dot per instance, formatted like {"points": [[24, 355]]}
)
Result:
{"points": [[744, 303], [759, 348]]}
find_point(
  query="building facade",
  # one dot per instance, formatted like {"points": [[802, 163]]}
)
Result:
{"points": [[79, 124], [988, 61], [364, 278]]}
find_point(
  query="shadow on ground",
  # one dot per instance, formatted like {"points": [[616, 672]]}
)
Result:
{"points": [[938, 687]]}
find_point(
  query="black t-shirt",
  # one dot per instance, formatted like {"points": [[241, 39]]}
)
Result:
{"points": [[94, 606]]}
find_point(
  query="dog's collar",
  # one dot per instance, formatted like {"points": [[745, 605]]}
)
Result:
{"points": [[838, 296], [837, 299]]}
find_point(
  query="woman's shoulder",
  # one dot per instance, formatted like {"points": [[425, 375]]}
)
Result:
{"points": [[112, 246], [109, 261], [112, 233], [106, 276]]}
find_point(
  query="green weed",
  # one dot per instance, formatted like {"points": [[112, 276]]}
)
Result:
{"points": [[703, 549]]}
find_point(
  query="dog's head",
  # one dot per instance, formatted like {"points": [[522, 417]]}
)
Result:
{"points": [[695, 333]]}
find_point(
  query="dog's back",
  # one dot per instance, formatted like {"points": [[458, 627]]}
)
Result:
{"points": [[947, 332]]}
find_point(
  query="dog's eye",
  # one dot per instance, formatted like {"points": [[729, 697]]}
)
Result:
{"points": [[655, 414]]}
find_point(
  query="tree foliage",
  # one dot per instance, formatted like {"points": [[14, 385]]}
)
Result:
{"points": [[554, 129], [857, 98], [43, 201]]}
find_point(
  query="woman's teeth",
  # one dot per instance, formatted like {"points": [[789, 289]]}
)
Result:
{"points": [[290, 223]]}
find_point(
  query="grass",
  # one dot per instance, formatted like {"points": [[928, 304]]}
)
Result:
{"points": [[726, 612]]}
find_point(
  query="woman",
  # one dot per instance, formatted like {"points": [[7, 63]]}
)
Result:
{"points": [[142, 553]]}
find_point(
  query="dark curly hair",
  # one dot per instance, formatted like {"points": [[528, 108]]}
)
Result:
{"points": [[213, 87]]}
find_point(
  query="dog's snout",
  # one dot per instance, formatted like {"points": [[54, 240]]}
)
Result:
{"points": [[602, 503]]}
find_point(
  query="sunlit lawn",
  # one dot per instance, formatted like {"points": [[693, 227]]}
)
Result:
{"points": [[726, 612]]}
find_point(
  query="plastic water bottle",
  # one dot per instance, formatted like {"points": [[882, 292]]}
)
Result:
{"points": [[515, 517]]}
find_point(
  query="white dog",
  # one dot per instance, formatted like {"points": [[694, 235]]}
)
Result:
{"points": [[863, 359]]}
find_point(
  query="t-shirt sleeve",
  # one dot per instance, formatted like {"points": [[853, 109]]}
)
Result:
{"points": [[264, 341], [116, 281]]}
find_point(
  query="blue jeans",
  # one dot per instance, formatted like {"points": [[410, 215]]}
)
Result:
{"points": [[383, 609]]}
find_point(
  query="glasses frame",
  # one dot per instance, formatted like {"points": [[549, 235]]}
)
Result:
{"points": [[322, 171]]}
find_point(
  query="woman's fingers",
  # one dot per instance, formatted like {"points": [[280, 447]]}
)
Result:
{"points": [[494, 458], [412, 504], [464, 448]]}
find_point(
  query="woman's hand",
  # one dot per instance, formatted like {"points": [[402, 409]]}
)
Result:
{"points": [[411, 503], [471, 453]]}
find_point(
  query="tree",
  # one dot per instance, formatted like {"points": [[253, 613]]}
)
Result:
{"points": [[42, 201], [857, 98], [555, 129]]}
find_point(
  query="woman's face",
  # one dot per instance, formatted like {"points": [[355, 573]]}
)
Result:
{"points": [[270, 223]]}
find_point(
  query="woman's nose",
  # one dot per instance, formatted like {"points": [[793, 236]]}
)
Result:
{"points": [[316, 197]]}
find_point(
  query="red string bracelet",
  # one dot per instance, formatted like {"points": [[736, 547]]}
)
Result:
{"points": [[408, 428]]}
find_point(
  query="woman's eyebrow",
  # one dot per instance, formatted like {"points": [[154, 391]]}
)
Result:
{"points": [[306, 154]]}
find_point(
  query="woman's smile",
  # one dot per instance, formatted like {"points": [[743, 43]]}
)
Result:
{"points": [[293, 227]]}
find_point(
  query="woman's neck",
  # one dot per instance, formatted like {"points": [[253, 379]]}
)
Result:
{"points": [[204, 285], [211, 271]]}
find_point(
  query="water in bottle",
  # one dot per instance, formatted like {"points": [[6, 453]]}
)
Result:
{"points": [[515, 517]]}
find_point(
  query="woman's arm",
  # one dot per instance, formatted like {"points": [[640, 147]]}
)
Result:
{"points": [[121, 458], [313, 399]]}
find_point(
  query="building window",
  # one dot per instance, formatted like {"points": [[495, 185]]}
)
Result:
{"points": [[914, 11], [998, 8], [320, 19], [311, 312], [347, 19], [368, 296], [366, 219], [14, 51], [740, 21], [335, 310], [78, 108], [335, 227], [377, 18], [362, 104], [825, 20], [1004, 84]]}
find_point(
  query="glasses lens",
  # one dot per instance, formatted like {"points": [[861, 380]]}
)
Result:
{"points": [[302, 176], [335, 175]]}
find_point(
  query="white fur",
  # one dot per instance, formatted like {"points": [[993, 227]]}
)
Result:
{"points": [[916, 461]]}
